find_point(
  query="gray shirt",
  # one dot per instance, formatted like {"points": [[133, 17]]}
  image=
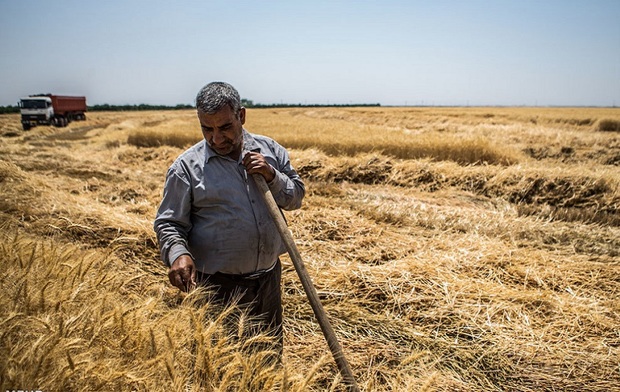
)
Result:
{"points": [[214, 212]]}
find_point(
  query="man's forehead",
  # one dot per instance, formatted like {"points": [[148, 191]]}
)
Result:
{"points": [[222, 116]]}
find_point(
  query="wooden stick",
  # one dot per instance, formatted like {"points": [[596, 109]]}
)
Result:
{"points": [[313, 297]]}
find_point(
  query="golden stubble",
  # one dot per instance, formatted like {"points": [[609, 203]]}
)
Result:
{"points": [[471, 249]]}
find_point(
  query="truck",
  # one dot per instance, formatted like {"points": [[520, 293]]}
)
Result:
{"points": [[49, 109]]}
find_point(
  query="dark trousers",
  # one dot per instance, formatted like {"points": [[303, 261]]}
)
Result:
{"points": [[259, 296]]}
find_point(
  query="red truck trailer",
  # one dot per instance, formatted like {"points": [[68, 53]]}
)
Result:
{"points": [[58, 110]]}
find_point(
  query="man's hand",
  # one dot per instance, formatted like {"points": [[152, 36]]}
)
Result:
{"points": [[256, 163], [182, 273]]}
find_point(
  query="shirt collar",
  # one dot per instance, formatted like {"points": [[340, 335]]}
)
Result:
{"points": [[249, 143]]}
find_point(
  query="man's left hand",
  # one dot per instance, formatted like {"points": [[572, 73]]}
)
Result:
{"points": [[256, 163]]}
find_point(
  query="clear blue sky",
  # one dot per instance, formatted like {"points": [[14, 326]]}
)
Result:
{"points": [[493, 52]]}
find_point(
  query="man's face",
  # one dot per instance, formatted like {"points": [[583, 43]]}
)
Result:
{"points": [[223, 130]]}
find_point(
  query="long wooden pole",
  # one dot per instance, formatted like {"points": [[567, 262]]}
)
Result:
{"points": [[313, 297]]}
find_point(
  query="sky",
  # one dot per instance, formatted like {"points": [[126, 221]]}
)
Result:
{"points": [[395, 53]]}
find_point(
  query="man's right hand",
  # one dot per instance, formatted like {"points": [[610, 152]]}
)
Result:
{"points": [[182, 273]]}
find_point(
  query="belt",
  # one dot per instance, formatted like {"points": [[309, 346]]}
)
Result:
{"points": [[250, 275]]}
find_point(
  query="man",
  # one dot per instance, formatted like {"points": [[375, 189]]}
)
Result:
{"points": [[213, 226]]}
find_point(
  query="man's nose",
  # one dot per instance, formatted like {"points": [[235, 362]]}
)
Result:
{"points": [[218, 137]]}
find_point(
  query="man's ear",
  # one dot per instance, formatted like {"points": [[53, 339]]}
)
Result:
{"points": [[242, 115]]}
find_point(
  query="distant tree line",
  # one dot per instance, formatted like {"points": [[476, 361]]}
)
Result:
{"points": [[245, 102], [9, 109], [250, 104], [126, 108], [110, 108]]}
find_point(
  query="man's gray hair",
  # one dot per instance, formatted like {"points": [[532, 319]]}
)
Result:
{"points": [[212, 98]]}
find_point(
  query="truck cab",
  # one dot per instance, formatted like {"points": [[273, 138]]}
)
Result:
{"points": [[36, 110]]}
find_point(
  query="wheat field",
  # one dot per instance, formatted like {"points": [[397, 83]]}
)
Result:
{"points": [[454, 249]]}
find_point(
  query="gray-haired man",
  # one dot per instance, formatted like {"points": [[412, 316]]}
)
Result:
{"points": [[212, 225]]}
